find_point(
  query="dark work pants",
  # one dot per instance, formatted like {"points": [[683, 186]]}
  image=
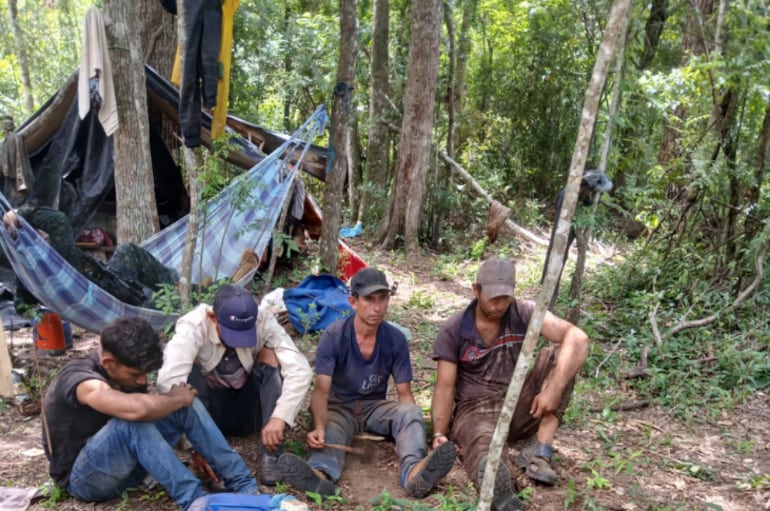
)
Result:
{"points": [[201, 65], [242, 411]]}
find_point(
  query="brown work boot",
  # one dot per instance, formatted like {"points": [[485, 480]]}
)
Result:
{"points": [[301, 476], [535, 459], [503, 496], [430, 470]]}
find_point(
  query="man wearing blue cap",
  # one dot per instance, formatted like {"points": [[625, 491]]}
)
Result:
{"points": [[246, 368]]}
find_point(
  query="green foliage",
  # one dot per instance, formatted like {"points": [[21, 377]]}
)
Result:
{"points": [[327, 501], [53, 495], [447, 502], [704, 368], [421, 300]]}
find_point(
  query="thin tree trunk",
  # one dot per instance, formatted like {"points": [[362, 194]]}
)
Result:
{"points": [[377, 174], [583, 235], [21, 54], [191, 164], [590, 108], [442, 172], [137, 213], [343, 107], [405, 213]]}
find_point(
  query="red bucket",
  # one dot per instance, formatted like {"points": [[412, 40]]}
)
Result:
{"points": [[48, 334]]}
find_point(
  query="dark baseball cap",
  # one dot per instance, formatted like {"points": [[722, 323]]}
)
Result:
{"points": [[497, 277], [367, 281], [236, 312]]}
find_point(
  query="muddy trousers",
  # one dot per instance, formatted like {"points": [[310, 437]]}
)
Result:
{"points": [[474, 423], [401, 421]]}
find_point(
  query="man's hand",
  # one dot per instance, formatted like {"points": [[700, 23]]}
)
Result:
{"points": [[185, 391], [546, 402], [316, 438], [272, 433]]}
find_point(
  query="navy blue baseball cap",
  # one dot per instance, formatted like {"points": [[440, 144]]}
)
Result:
{"points": [[236, 312]]}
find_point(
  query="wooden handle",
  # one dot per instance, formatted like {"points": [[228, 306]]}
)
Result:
{"points": [[345, 448]]}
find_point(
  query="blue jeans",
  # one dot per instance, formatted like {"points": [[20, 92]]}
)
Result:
{"points": [[241, 411], [401, 421], [120, 455]]}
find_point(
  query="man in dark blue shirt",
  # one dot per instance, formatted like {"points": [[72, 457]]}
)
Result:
{"points": [[356, 356]]}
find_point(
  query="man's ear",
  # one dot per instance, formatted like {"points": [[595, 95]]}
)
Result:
{"points": [[476, 291], [109, 362], [353, 301], [212, 316]]}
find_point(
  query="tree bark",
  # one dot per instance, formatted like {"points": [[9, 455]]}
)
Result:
{"points": [[191, 165], [21, 54], [335, 181], [405, 208], [158, 35], [137, 212], [377, 168], [582, 145]]}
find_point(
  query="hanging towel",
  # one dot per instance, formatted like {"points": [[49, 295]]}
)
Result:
{"points": [[95, 63]]}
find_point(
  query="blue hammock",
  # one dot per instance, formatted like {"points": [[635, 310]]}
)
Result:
{"points": [[242, 216]]}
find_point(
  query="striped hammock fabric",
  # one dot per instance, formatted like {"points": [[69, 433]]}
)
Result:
{"points": [[241, 216]]}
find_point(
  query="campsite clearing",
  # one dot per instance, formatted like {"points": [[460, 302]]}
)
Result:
{"points": [[641, 459]]}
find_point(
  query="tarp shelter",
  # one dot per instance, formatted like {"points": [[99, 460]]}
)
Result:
{"points": [[70, 162]]}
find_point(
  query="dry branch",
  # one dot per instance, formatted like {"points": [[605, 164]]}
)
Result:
{"points": [[759, 260]]}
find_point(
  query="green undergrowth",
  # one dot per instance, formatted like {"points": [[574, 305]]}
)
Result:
{"points": [[696, 372]]}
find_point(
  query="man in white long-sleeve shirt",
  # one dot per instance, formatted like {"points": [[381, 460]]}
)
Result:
{"points": [[246, 368]]}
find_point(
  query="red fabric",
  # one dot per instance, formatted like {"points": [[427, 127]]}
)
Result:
{"points": [[349, 262], [95, 235]]}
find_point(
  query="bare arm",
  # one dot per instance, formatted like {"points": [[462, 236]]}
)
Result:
{"points": [[319, 402], [133, 407], [404, 392], [572, 356], [443, 400]]}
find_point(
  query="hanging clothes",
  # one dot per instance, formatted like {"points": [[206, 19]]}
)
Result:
{"points": [[95, 85], [225, 58], [203, 31]]}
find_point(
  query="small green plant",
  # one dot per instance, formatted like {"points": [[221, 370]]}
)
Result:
{"points": [[757, 482], [421, 300], [295, 447], [328, 501], [597, 482], [54, 495], [572, 494]]}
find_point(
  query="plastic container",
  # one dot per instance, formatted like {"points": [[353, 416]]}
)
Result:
{"points": [[48, 333]]}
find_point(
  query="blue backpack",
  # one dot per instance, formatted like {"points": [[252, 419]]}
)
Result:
{"points": [[317, 302]]}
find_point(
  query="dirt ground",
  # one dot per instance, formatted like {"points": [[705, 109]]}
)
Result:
{"points": [[640, 459]]}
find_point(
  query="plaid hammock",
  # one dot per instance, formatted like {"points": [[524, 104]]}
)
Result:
{"points": [[242, 216]]}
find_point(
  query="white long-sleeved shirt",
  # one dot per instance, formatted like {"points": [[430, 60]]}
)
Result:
{"points": [[196, 340]]}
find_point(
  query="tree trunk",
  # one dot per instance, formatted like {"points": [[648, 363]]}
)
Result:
{"points": [[377, 168], [137, 212], [583, 234], [343, 107], [191, 165], [588, 118], [405, 208], [158, 34], [439, 193], [21, 54]]}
